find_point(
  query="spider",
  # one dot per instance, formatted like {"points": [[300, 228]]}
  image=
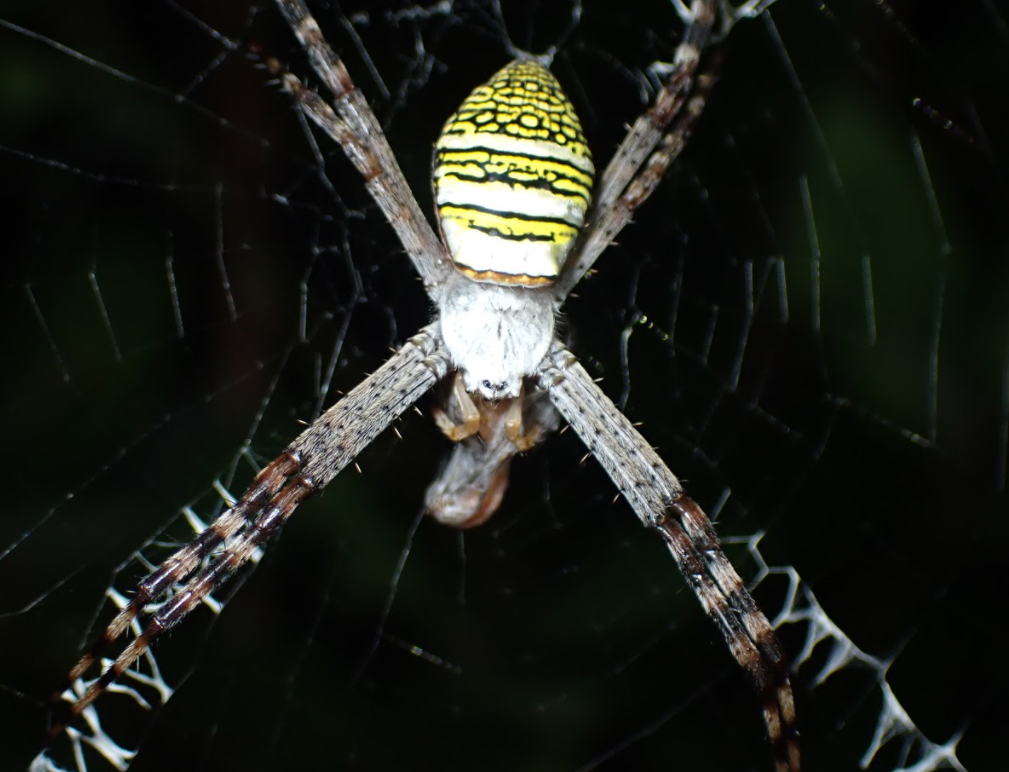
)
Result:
{"points": [[513, 181]]}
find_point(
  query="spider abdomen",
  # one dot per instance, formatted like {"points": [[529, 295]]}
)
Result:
{"points": [[513, 177]]}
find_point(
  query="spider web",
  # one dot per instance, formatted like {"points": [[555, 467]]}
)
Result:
{"points": [[809, 319]]}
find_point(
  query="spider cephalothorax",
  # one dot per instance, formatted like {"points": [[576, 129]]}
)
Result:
{"points": [[513, 176]]}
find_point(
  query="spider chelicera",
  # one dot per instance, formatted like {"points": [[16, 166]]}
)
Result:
{"points": [[513, 184]]}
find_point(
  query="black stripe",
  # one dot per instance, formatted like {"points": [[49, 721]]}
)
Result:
{"points": [[539, 182], [498, 234], [509, 215]]}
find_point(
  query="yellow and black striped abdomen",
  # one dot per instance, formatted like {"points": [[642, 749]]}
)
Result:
{"points": [[513, 177]]}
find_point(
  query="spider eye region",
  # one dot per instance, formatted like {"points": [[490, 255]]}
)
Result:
{"points": [[513, 178]]}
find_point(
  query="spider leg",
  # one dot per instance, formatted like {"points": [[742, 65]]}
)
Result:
{"points": [[332, 442], [177, 567], [354, 126], [658, 499], [646, 132], [647, 151]]}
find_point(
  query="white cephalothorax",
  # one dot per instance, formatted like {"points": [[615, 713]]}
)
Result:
{"points": [[495, 335]]}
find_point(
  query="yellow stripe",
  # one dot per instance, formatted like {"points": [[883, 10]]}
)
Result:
{"points": [[508, 226], [476, 165]]}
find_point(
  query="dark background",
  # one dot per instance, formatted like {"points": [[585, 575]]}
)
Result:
{"points": [[809, 319]]}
